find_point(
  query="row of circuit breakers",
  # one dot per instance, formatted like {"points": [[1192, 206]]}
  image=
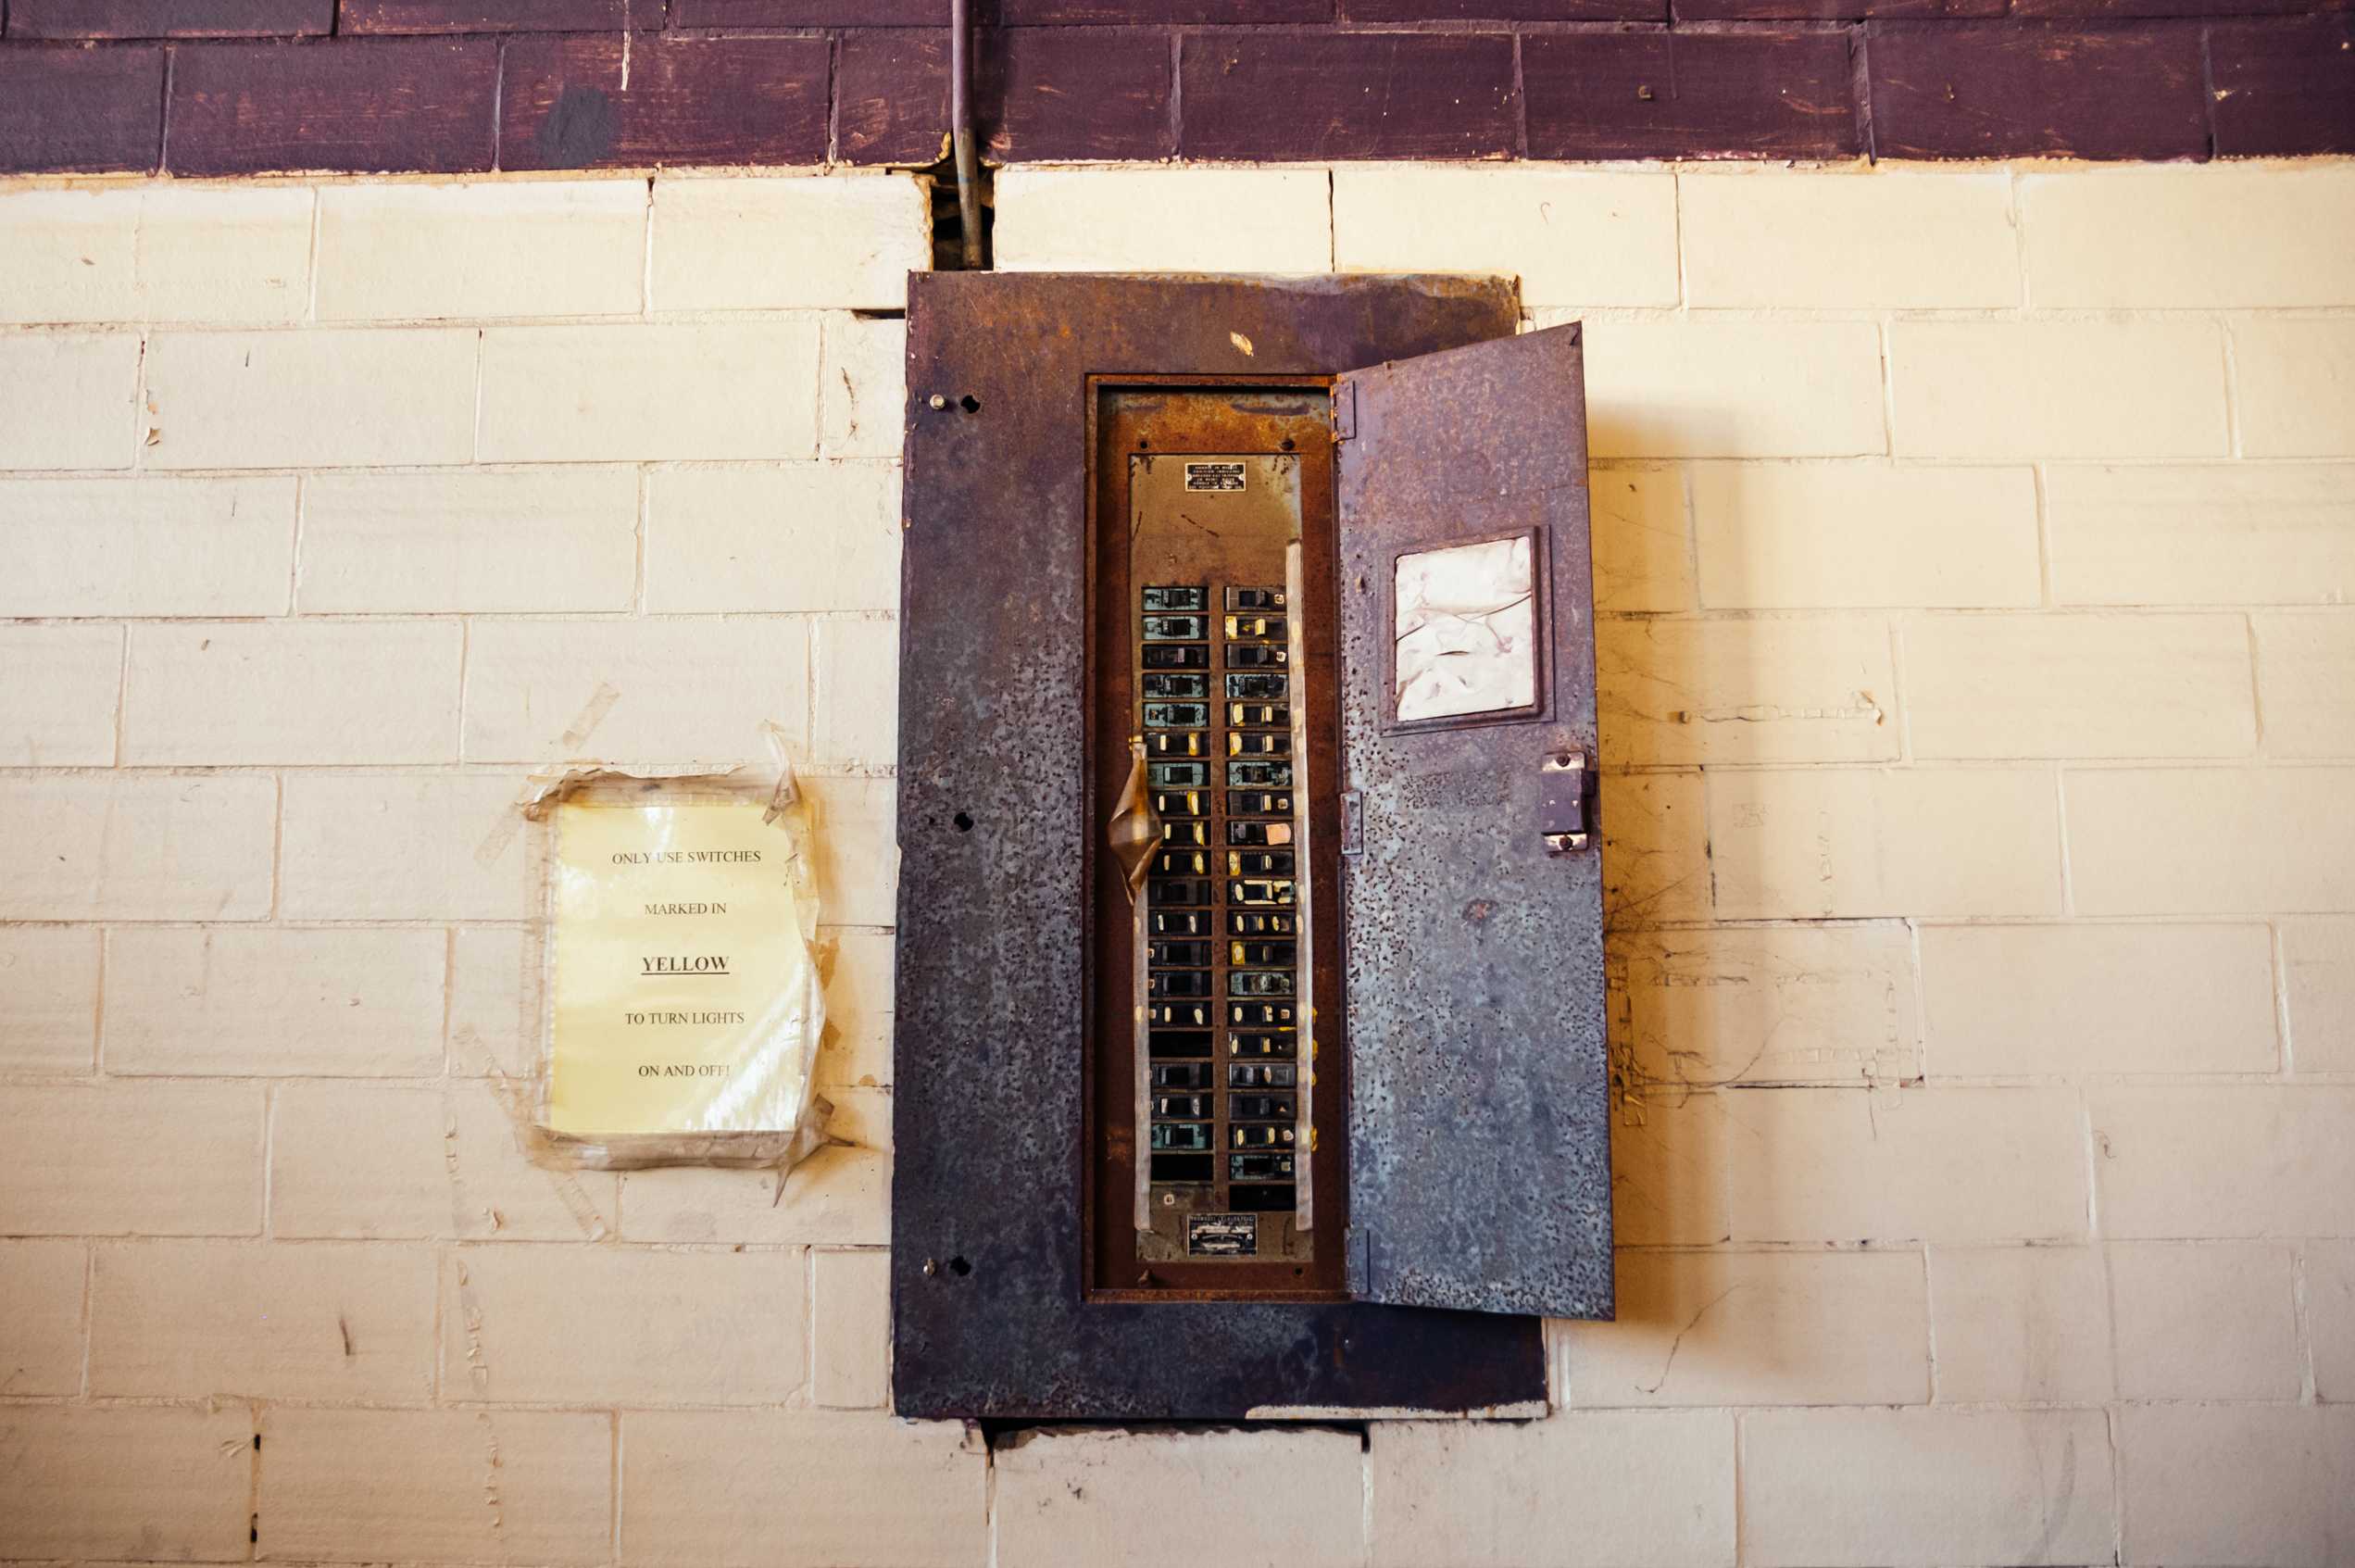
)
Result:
{"points": [[1220, 904]]}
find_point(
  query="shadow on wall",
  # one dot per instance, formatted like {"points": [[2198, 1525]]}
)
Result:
{"points": [[1714, 1028], [1668, 1163]]}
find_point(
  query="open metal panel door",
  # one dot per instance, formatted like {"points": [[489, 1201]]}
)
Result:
{"points": [[1471, 885]]}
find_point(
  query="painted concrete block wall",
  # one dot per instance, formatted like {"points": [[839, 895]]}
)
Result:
{"points": [[1973, 550]]}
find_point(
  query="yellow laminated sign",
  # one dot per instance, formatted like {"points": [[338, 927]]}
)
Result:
{"points": [[685, 997]]}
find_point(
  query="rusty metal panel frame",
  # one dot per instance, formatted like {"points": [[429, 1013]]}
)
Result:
{"points": [[1314, 393], [988, 1316]]}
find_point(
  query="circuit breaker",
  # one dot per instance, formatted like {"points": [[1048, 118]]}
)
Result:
{"points": [[1219, 1146]]}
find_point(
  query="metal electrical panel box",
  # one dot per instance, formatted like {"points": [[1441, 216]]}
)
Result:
{"points": [[1250, 988]]}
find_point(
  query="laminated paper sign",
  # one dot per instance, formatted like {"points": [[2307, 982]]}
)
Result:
{"points": [[685, 999]]}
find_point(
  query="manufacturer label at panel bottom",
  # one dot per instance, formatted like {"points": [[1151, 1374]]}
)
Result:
{"points": [[1221, 1236]]}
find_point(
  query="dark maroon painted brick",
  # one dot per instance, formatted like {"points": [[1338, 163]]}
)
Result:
{"points": [[816, 13], [1038, 93], [358, 105], [1769, 92], [1832, 10], [169, 18], [688, 101], [989, 13], [1282, 95], [76, 110], [2132, 10], [1195, 13], [498, 16], [2009, 89], [1408, 11], [891, 95], [2283, 88]]}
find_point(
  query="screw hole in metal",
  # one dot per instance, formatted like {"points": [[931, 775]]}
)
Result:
{"points": [[958, 1267], [970, 403]]}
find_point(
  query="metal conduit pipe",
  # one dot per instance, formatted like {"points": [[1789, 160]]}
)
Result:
{"points": [[969, 170]]}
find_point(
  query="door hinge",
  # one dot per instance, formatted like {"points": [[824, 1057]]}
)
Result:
{"points": [[1345, 411], [1353, 823], [1561, 802]]}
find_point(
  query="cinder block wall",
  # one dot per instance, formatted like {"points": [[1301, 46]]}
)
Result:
{"points": [[1979, 730]]}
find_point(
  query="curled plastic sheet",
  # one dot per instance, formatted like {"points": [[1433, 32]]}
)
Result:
{"points": [[680, 1004], [1466, 624]]}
